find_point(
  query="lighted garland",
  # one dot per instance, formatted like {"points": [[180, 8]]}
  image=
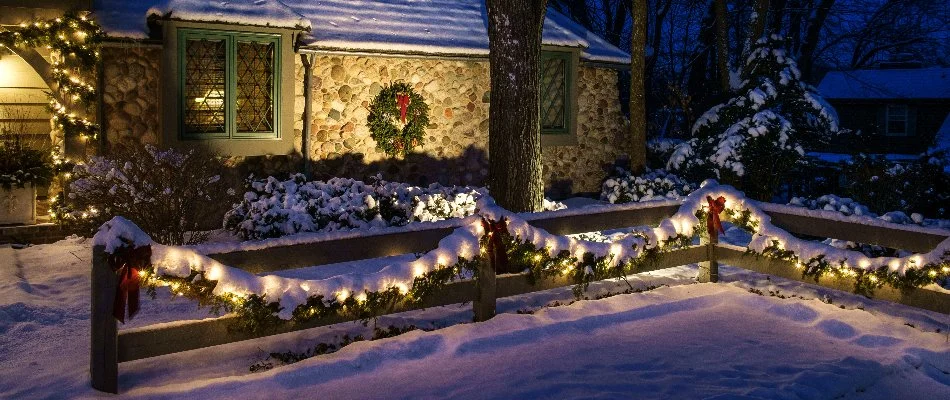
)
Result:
{"points": [[385, 113], [76, 39], [256, 313], [582, 264]]}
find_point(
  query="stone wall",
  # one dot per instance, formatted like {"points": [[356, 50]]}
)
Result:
{"points": [[455, 147], [131, 93], [457, 95], [602, 137], [454, 151]]}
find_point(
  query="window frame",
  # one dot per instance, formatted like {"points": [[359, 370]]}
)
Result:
{"points": [[887, 120], [231, 39], [567, 135]]}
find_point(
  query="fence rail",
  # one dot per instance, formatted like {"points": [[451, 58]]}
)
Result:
{"points": [[111, 346]]}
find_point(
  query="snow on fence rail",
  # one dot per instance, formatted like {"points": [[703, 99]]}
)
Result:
{"points": [[111, 347]]}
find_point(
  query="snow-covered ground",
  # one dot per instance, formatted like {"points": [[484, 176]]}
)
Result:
{"points": [[683, 340]]}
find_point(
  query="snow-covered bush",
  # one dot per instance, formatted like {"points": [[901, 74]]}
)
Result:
{"points": [[172, 195], [919, 186], [659, 151], [273, 208], [624, 187], [848, 206], [756, 138]]}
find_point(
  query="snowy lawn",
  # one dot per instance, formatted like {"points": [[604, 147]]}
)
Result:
{"points": [[682, 340]]}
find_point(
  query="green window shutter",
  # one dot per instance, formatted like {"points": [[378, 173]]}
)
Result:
{"points": [[556, 101], [229, 84]]}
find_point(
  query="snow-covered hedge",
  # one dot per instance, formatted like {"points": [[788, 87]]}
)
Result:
{"points": [[848, 206], [274, 208], [624, 187], [921, 185]]}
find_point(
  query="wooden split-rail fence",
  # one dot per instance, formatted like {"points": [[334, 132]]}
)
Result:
{"points": [[111, 346]]}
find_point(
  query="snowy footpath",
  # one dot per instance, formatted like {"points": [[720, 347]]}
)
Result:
{"points": [[748, 337]]}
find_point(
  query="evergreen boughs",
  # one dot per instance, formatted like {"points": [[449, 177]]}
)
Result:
{"points": [[384, 114], [754, 140], [76, 39], [21, 165]]}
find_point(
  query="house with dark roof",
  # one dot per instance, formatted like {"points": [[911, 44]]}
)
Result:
{"points": [[894, 110], [285, 85]]}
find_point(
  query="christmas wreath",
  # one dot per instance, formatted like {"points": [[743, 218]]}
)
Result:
{"points": [[397, 119]]}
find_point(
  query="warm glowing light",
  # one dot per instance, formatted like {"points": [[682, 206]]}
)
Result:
{"points": [[418, 270], [342, 294], [360, 298], [873, 278], [305, 287]]}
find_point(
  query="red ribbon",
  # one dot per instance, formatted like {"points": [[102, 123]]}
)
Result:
{"points": [[126, 262], [496, 246], [712, 217], [402, 100]]}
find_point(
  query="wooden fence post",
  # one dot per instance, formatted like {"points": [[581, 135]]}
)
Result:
{"points": [[709, 270], [103, 353], [485, 291]]}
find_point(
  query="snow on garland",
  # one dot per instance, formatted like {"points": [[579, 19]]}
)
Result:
{"points": [[272, 298], [396, 104]]}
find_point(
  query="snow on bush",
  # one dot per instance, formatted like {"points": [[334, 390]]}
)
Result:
{"points": [[170, 194], [659, 151], [274, 208], [624, 187], [919, 186], [848, 206], [756, 138]]}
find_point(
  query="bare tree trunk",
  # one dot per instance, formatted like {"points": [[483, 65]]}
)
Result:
{"points": [[514, 140], [760, 14], [722, 45], [815, 24], [638, 117]]}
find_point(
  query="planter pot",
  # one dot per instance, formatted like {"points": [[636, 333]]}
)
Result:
{"points": [[18, 205]]}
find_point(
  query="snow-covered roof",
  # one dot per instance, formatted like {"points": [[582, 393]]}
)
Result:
{"points": [[456, 27], [919, 83]]}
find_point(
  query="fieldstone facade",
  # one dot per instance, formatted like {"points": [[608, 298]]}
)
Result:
{"points": [[130, 97], [455, 149], [602, 137]]}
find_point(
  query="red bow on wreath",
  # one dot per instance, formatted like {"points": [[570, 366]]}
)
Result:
{"points": [[126, 262], [712, 217], [496, 247], [402, 100]]}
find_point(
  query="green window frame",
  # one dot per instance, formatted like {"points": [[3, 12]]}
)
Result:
{"points": [[211, 97], [557, 100]]}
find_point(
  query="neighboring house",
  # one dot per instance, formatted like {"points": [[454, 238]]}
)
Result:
{"points": [[230, 76], [895, 110]]}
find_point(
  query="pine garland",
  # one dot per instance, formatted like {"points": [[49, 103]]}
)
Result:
{"points": [[77, 39], [384, 111]]}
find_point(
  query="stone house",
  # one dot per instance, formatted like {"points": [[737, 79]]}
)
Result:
{"points": [[285, 85]]}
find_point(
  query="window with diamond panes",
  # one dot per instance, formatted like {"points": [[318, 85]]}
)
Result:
{"points": [[555, 92], [229, 84], [255, 87], [205, 80]]}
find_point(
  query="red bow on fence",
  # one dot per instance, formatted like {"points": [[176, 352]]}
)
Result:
{"points": [[712, 217], [496, 246], [402, 100], [126, 262]]}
